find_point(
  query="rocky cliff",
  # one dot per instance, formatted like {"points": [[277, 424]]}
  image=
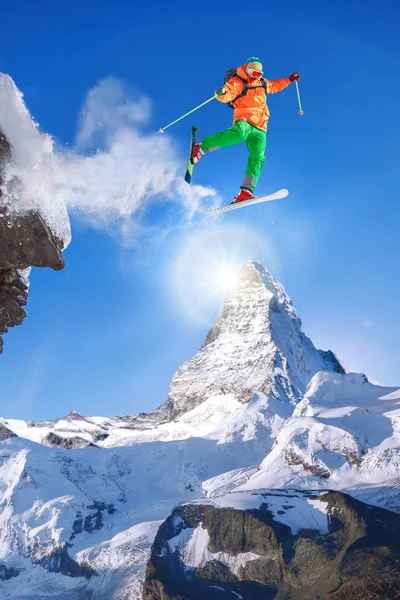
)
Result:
{"points": [[25, 241], [281, 545]]}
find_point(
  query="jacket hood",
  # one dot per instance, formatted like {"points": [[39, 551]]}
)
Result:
{"points": [[241, 71]]}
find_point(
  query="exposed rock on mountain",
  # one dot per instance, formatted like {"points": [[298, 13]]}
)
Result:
{"points": [[6, 574], [276, 544], [59, 561], [68, 443], [5, 433]]}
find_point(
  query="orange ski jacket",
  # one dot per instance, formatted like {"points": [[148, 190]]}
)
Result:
{"points": [[252, 106]]}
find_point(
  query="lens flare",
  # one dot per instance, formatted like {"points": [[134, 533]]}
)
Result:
{"points": [[225, 277], [207, 267]]}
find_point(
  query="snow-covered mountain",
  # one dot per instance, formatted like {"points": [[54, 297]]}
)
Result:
{"points": [[256, 345], [343, 432], [258, 407]]}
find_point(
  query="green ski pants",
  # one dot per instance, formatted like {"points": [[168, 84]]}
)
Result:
{"points": [[256, 141]]}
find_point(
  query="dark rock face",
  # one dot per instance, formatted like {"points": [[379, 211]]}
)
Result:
{"points": [[74, 433], [358, 557], [67, 443], [5, 433], [59, 561], [25, 241], [13, 296], [8, 572], [331, 360], [94, 520]]}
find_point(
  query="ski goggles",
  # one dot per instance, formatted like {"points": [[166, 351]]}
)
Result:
{"points": [[254, 72]]}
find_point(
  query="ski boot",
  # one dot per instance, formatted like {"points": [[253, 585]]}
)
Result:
{"points": [[243, 196], [197, 153]]}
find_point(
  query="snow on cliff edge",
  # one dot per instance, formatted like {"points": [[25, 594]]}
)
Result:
{"points": [[33, 164]]}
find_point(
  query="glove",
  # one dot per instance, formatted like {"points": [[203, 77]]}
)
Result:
{"points": [[220, 92], [294, 77]]}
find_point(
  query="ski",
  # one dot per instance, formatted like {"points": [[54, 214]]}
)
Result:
{"points": [[257, 200], [189, 170]]}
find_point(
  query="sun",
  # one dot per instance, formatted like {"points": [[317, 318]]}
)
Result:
{"points": [[207, 267], [225, 277]]}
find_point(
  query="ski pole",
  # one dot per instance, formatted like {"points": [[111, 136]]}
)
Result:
{"points": [[162, 129], [301, 112]]}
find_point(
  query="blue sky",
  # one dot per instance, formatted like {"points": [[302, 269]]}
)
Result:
{"points": [[105, 335]]}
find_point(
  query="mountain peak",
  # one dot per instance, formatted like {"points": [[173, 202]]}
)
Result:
{"points": [[255, 345], [75, 416], [254, 272]]}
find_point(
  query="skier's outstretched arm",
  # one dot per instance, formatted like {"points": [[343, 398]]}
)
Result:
{"points": [[230, 91], [280, 84]]}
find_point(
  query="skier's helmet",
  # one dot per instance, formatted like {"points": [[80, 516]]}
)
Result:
{"points": [[254, 67]]}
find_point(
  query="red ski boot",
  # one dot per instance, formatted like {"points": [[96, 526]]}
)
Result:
{"points": [[244, 195], [197, 153]]}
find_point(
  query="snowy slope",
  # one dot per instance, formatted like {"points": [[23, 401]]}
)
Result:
{"points": [[78, 431], [92, 499], [345, 431], [107, 503]]}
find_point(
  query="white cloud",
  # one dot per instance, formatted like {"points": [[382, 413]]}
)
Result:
{"points": [[108, 108], [116, 174], [127, 171]]}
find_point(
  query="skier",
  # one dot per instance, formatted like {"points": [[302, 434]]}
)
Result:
{"points": [[246, 92]]}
